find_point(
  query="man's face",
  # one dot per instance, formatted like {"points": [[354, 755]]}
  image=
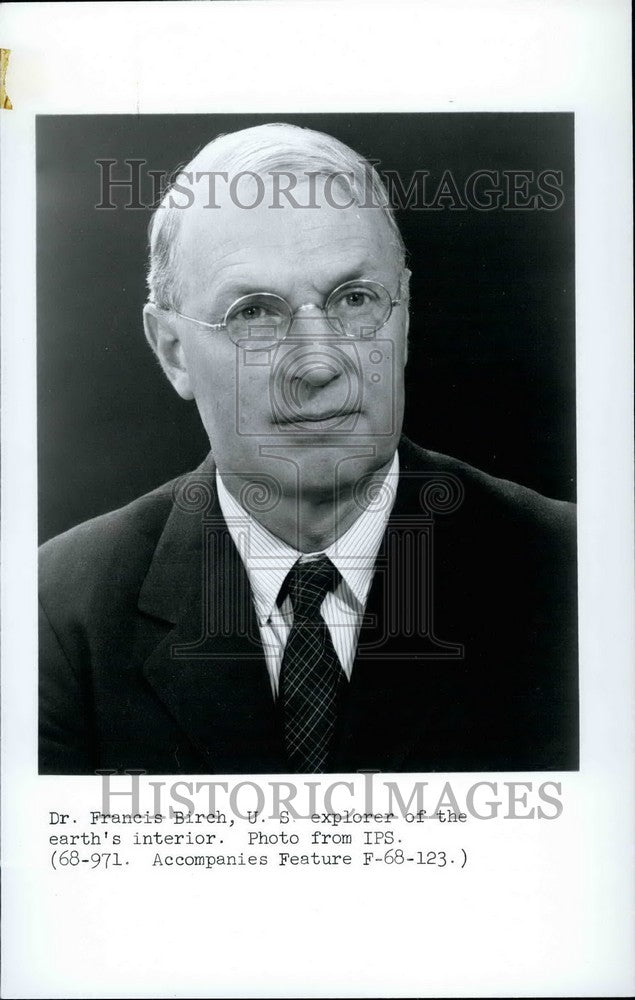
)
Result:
{"points": [[320, 411]]}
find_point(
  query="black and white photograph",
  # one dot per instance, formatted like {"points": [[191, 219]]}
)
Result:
{"points": [[357, 378], [317, 527]]}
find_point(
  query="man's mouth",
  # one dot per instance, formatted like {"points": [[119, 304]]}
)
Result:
{"points": [[317, 421]]}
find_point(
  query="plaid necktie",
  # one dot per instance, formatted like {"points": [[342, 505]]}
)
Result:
{"points": [[311, 676]]}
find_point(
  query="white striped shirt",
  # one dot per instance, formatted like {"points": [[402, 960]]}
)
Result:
{"points": [[267, 560]]}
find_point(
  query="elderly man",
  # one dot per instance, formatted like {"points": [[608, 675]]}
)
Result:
{"points": [[320, 594]]}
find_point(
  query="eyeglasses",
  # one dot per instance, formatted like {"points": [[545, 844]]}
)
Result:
{"points": [[261, 320]]}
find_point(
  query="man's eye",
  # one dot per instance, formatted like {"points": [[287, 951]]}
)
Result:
{"points": [[255, 313], [357, 298]]}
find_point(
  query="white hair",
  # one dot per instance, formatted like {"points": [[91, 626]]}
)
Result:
{"points": [[273, 147]]}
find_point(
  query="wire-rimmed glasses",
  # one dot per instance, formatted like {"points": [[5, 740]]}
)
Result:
{"points": [[355, 309]]}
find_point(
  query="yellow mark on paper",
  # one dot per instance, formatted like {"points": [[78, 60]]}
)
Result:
{"points": [[5, 102]]}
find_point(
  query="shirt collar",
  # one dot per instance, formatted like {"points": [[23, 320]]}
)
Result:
{"points": [[267, 559]]}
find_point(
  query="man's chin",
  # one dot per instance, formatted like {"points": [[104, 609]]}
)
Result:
{"points": [[333, 464]]}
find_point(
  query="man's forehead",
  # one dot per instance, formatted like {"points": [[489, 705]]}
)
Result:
{"points": [[256, 215]]}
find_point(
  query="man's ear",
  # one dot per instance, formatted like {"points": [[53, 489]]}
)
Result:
{"points": [[405, 296], [166, 344]]}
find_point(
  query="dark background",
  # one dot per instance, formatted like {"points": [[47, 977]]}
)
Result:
{"points": [[491, 369]]}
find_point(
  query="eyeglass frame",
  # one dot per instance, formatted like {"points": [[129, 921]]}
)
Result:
{"points": [[293, 312]]}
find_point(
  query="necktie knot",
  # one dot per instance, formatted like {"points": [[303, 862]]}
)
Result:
{"points": [[308, 583]]}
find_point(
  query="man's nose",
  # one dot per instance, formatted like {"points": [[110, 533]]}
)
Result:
{"points": [[309, 358], [316, 358]]}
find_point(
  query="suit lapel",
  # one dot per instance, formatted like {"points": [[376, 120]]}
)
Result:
{"points": [[209, 670]]}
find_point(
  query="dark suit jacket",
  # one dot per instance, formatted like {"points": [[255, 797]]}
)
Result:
{"points": [[150, 655]]}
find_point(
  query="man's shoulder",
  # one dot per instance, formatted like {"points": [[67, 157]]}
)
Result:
{"points": [[115, 547], [485, 494]]}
